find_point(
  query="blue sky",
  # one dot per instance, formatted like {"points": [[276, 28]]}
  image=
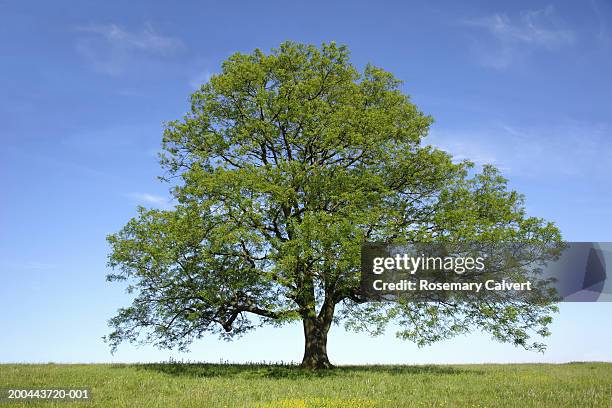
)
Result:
{"points": [[86, 86]]}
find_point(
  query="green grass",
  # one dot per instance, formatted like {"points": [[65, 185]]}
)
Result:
{"points": [[216, 385]]}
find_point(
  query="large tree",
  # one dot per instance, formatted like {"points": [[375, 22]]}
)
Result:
{"points": [[286, 163]]}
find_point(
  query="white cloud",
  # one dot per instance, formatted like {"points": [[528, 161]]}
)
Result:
{"points": [[568, 149], [603, 33], [146, 40], [462, 146], [530, 29], [511, 39], [111, 48], [200, 79], [151, 199]]}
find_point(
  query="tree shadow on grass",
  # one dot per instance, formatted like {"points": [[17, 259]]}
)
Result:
{"points": [[287, 371]]}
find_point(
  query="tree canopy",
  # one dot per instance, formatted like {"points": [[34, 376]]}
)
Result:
{"points": [[286, 163]]}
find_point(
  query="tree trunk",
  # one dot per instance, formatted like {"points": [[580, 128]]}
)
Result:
{"points": [[315, 344]]}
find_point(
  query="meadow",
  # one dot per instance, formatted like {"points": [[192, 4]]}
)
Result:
{"points": [[267, 386]]}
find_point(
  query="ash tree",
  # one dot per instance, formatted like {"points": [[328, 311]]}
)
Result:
{"points": [[286, 163]]}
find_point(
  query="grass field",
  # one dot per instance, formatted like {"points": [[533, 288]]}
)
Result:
{"points": [[216, 385]]}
